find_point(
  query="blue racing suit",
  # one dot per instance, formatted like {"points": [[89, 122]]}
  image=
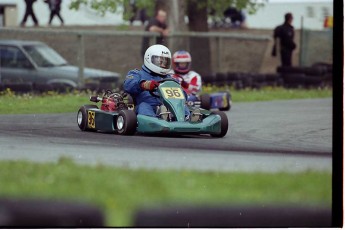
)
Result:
{"points": [[146, 104]]}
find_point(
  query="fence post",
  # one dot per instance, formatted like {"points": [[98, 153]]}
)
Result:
{"points": [[301, 44], [219, 44], [81, 60]]}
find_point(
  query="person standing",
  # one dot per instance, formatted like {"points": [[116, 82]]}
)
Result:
{"points": [[55, 7], [237, 17], [29, 12], [156, 24], [285, 33]]}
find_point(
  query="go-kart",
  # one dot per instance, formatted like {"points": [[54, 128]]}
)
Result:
{"points": [[219, 100], [117, 115]]}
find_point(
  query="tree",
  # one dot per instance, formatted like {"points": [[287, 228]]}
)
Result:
{"points": [[104, 6], [199, 47]]}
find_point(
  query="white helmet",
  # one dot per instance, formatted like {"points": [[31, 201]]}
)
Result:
{"points": [[157, 58]]}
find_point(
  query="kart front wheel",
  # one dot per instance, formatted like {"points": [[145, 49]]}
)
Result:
{"points": [[126, 122], [205, 101], [223, 125], [82, 117]]}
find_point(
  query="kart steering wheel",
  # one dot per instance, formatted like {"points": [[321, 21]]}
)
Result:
{"points": [[160, 81]]}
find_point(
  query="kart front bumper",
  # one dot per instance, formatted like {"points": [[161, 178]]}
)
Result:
{"points": [[209, 125]]}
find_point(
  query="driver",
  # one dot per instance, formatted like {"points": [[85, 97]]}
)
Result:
{"points": [[138, 83], [189, 79]]}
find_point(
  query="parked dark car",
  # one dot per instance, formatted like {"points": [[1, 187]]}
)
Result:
{"points": [[32, 65]]}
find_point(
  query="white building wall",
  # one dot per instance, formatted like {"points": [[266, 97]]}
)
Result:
{"points": [[84, 16], [272, 14]]}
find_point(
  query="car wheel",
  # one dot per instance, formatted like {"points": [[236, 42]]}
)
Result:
{"points": [[126, 122], [224, 124], [82, 117], [205, 101]]}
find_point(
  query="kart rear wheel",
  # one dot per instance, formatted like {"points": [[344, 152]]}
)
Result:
{"points": [[82, 117], [126, 122], [205, 101], [223, 125]]}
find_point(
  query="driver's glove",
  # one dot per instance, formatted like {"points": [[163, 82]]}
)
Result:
{"points": [[149, 85], [184, 84]]}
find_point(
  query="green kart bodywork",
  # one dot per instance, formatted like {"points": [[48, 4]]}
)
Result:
{"points": [[126, 122]]}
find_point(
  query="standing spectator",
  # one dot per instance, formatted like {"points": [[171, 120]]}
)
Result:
{"points": [[156, 24], [236, 17], [134, 10], [285, 33], [55, 7], [143, 16], [136, 13], [29, 12]]}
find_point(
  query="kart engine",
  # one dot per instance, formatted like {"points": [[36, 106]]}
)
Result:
{"points": [[110, 101]]}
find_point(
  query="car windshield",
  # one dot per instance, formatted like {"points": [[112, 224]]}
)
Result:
{"points": [[44, 56]]}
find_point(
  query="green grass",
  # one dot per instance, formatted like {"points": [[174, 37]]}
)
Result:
{"points": [[51, 102], [272, 93], [119, 192]]}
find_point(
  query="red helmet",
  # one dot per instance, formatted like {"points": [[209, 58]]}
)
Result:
{"points": [[182, 61]]}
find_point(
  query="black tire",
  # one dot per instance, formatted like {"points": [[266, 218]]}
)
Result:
{"points": [[19, 87], [208, 79], [126, 122], [224, 124], [205, 101], [60, 87], [239, 85], [316, 70], [232, 76], [292, 80], [82, 117], [247, 80], [220, 79]]}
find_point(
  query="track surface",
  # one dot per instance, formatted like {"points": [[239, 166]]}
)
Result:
{"points": [[273, 136]]}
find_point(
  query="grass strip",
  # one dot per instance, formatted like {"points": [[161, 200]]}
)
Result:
{"points": [[52, 102], [119, 192]]}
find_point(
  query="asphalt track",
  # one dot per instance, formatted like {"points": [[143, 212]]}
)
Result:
{"points": [[293, 136]]}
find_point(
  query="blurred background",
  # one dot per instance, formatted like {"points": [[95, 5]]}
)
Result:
{"points": [[313, 23]]}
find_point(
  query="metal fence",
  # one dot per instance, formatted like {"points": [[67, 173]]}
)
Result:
{"points": [[316, 46], [119, 51]]}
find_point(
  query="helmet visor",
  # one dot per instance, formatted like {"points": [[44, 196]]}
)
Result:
{"points": [[182, 65], [163, 62]]}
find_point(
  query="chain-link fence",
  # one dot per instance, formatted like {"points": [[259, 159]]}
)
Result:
{"points": [[120, 51], [316, 46]]}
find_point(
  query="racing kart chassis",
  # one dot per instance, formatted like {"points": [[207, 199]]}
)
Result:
{"points": [[121, 118]]}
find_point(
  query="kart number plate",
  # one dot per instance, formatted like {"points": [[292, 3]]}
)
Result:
{"points": [[172, 93], [91, 119]]}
